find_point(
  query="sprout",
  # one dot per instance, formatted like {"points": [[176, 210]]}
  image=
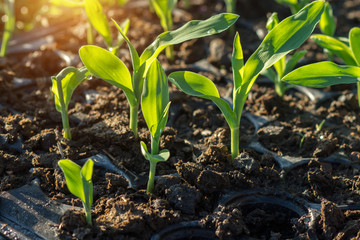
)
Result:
{"points": [[63, 86], [79, 183], [324, 74], [285, 37], [9, 27], [155, 107], [110, 68]]}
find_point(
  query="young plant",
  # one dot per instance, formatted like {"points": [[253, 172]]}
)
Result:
{"points": [[283, 66], [155, 108], [63, 86], [8, 6], [78, 181], [326, 73], [110, 68], [294, 5], [285, 37], [231, 8], [164, 8]]}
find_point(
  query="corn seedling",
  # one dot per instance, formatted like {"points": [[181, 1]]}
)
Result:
{"points": [[164, 8], [110, 68], [324, 74], [63, 86], [231, 8], [8, 6], [78, 181], [283, 66], [294, 5], [285, 37], [155, 107]]}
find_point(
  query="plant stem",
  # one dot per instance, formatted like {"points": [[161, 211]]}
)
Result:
{"points": [[152, 171], [65, 122], [169, 52], [235, 134], [154, 145], [9, 26], [87, 214], [134, 119], [90, 35]]}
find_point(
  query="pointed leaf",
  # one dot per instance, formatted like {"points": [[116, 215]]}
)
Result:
{"points": [[155, 96], [86, 175], [163, 9], [134, 55], [270, 74], [70, 78], [163, 121], [323, 74], [103, 64], [336, 47], [237, 62], [327, 22], [199, 86], [354, 37], [161, 157], [73, 177], [272, 21], [191, 30], [288, 35], [98, 19]]}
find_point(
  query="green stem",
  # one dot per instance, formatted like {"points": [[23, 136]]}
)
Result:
{"points": [[152, 171], [154, 145], [169, 51], [90, 35], [9, 26], [134, 119], [65, 122], [358, 92], [235, 135], [87, 214]]}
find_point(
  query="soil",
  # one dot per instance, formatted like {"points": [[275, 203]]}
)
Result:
{"points": [[193, 183]]}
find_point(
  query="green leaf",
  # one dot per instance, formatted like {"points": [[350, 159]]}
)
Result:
{"points": [[199, 86], [327, 22], [98, 19], [270, 73], [272, 21], [191, 30], [336, 47], [287, 2], [293, 60], [134, 55], [73, 177], [70, 78], [323, 74], [155, 96], [354, 37], [161, 157], [103, 64], [238, 73], [288, 35], [86, 175]]}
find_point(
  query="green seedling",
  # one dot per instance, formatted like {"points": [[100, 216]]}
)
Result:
{"points": [[294, 5], [164, 8], [318, 127], [327, 22], [110, 68], [283, 66], [285, 37], [155, 107], [324, 74], [97, 20], [301, 140], [8, 6], [78, 181], [63, 86]]}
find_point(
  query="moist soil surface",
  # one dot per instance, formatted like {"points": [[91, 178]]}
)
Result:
{"points": [[193, 183]]}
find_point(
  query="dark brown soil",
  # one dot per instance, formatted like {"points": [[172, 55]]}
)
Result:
{"points": [[192, 183]]}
